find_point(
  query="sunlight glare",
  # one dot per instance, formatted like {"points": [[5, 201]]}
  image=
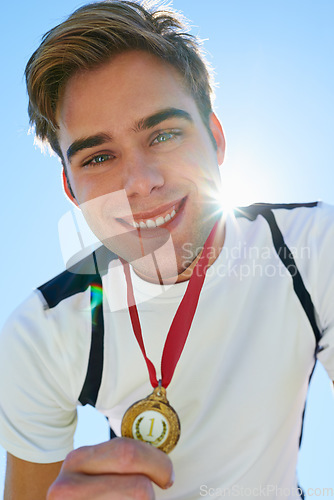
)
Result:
{"points": [[237, 191]]}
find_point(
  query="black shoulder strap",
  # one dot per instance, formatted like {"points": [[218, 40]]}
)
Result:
{"points": [[92, 383], [285, 254], [287, 259], [84, 275], [79, 277], [93, 378]]}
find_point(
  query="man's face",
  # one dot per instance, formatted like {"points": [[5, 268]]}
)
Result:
{"points": [[140, 160]]}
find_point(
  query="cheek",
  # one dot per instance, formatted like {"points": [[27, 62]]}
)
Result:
{"points": [[200, 169], [208, 173], [92, 187], [100, 219], [101, 212]]}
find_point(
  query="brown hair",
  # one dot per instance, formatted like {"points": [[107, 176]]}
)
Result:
{"points": [[91, 36]]}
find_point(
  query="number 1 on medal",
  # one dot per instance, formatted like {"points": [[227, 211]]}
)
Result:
{"points": [[151, 428]]}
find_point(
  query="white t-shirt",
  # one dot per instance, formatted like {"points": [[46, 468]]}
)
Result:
{"points": [[241, 382]]}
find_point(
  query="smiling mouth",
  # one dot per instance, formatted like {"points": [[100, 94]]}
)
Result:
{"points": [[158, 220]]}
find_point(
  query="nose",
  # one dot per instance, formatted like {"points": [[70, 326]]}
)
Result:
{"points": [[141, 176]]}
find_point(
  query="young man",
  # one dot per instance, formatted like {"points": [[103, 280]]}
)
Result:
{"points": [[122, 96]]}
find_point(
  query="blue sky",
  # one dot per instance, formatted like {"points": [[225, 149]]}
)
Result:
{"points": [[273, 62]]}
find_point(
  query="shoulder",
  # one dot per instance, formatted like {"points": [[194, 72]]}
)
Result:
{"points": [[284, 211], [77, 279], [52, 327], [299, 223]]}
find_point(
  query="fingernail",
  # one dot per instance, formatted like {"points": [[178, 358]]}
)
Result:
{"points": [[172, 479]]}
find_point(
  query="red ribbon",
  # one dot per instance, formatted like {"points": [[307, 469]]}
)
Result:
{"points": [[182, 321]]}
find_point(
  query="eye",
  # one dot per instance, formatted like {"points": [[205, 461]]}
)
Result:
{"points": [[166, 137], [97, 160]]}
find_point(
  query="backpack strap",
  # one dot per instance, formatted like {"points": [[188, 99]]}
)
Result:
{"points": [[284, 253]]}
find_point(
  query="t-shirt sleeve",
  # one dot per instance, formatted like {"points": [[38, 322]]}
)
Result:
{"points": [[322, 292], [37, 405]]}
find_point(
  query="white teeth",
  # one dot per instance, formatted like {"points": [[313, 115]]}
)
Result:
{"points": [[154, 223], [159, 221], [150, 223]]}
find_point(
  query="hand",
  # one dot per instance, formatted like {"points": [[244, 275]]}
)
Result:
{"points": [[118, 469]]}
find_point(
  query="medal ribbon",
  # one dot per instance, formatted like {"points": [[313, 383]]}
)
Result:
{"points": [[179, 329]]}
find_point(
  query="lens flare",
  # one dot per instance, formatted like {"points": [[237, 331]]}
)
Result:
{"points": [[96, 292]]}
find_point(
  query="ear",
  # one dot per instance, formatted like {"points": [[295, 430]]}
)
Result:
{"points": [[218, 134], [67, 188]]}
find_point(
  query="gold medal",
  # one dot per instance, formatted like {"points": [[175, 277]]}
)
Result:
{"points": [[153, 420]]}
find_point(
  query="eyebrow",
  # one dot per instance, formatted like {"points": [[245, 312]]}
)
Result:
{"points": [[161, 116], [143, 124], [86, 143]]}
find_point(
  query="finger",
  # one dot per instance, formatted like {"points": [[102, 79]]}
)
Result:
{"points": [[122, 456], [74, 486]]}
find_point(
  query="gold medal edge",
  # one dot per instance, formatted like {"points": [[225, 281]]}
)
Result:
{"points": [[139, 407]]}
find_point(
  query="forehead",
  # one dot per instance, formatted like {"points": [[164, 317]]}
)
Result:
{"points": [[128, 87]]}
